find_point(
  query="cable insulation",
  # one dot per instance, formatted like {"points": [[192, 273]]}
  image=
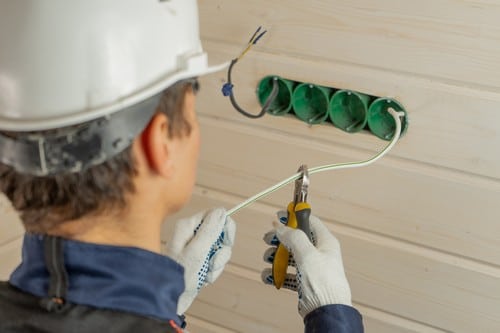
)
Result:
{"points": [[396, 115]]}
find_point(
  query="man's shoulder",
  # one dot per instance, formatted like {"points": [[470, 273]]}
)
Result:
{"points": [[22, 312]]}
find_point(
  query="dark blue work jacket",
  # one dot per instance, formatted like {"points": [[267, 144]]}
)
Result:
{"points": [[69, 286]]}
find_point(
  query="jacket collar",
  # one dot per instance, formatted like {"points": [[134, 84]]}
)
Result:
{"points": [[106, 277]]}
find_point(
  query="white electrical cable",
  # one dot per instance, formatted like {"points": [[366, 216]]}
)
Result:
{"points": [[329, 167]]}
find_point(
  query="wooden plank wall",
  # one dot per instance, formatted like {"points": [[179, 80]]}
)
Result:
{"points": [[11, 232], [420, 230]]}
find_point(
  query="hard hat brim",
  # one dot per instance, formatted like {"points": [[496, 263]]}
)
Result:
{"points": [[197, 67]]}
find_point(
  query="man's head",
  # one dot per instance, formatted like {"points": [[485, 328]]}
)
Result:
{"points": [[85, 120], [47, 202]]}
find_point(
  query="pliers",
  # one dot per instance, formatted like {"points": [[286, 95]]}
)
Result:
{"points": [[298, 212]]}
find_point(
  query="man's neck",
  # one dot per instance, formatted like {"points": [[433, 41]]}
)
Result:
{"points": [[134, 229]]}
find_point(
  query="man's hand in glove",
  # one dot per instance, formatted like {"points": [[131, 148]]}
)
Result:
{"points": [[320, 278], [202, 244]]}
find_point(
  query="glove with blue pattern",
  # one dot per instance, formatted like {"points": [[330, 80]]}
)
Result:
{"points": [[320, 279], [202, 244]]}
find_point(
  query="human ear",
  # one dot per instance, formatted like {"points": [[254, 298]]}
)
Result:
{"points": [[156, 144]]}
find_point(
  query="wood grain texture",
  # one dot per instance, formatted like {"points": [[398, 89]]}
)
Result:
{"points": [[11, 231], [451, 40], [387, 198], [419, 229], [206, 326], [397, 286], [10, 257], [10, 224], [277, 310], [451, 126]]}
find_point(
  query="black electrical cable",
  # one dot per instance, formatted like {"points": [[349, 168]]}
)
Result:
{"points": [[227, 88], [228, 91]]}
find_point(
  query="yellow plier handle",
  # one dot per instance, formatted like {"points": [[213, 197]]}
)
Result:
{"points": [[281, 257], [298, 212]]}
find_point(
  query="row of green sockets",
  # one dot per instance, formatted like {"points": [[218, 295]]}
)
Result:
{"points": [[348, 110]]}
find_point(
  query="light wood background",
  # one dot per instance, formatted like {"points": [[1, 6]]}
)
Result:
{"points": [[420, 230]]}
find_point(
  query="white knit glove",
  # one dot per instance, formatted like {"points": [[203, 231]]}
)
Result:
{"points": [[203, 245], [320, 278]]}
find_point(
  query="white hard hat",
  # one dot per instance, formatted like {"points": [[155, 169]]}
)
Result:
{"points": [[66, 62], [99, 63]]}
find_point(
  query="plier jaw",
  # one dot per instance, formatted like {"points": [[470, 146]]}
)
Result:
{"points": [[301, 185]]}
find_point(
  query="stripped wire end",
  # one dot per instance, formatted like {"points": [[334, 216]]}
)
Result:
{"points": [[254, 34], [257, 35], [227, 88]]}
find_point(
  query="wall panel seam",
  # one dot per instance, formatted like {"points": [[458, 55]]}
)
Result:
{"points": [[463, 88], [451, 259], [262, 51], [357, 153], [367, 310]]}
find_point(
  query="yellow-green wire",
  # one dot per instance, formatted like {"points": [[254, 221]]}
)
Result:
{"points": [[255, 37], [244, 52]]}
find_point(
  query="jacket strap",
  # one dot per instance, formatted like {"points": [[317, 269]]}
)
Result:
{"points": [[58, 285]]}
